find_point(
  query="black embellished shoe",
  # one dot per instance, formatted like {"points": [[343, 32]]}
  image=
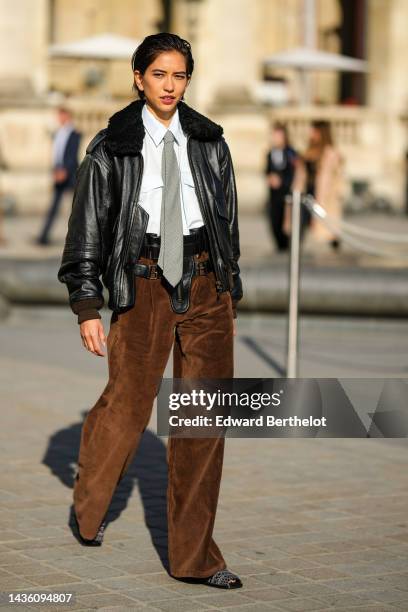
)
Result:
{"points": [[96, 541], [224, 579]]}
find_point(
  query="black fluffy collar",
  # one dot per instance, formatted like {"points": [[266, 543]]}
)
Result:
{"points": [[125, 131]]}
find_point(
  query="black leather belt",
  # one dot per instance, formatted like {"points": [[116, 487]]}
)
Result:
{"points": [[193, 243], [152, 271], [180, 294]]}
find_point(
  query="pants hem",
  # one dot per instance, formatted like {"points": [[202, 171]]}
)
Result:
{"points": [[199, 574]]}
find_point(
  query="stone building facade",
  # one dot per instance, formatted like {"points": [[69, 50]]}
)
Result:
{"points": [[231, 40]]}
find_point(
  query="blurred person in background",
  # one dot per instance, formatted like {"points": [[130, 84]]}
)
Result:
{"points": [[3, 240], [145, 217], [320, 175], [280, 169], [65, 164]]}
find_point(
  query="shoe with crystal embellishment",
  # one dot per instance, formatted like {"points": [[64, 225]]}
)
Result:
{"points": [[224, 579], [96, 541]]}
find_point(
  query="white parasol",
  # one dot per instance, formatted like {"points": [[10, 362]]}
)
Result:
{"points": [[306, 58], [104, 46]]}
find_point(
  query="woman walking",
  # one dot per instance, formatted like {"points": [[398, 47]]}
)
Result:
{"points": [[321, 177], [155, 213]]}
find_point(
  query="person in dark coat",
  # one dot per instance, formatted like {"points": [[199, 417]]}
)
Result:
{"points": [[65, 164], [279, 170]]}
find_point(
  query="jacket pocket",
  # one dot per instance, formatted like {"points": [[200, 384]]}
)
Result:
{"points": [[221, 208], [112, 244]]}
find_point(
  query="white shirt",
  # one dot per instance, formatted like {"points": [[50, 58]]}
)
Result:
{"points": [[150, 197], [60, 142], [277, 158]]}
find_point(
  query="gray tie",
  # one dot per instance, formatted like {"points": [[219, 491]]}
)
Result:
{"points": [[171, 224]]}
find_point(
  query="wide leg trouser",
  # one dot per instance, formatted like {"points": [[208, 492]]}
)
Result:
{"points": [[138, 347]]}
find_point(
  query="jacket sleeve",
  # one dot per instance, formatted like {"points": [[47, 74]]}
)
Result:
{"points": [[81, 263], [230, 192], [71, 153]]}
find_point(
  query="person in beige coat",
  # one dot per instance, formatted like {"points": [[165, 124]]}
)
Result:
{"points": [[320, 175]]}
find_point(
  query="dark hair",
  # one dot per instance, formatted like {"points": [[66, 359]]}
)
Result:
{"points": [[151, 47], [281, 127], [64, 109], [325, 131]]}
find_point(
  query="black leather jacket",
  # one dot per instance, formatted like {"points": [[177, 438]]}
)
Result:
{"points": [[107, 225]]}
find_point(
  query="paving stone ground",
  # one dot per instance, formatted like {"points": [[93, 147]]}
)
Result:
{"points": [[307, 524]]}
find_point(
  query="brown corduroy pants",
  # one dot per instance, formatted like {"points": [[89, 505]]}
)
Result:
{"points": [[138, 347]]}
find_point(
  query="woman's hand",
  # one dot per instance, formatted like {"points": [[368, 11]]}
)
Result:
{"points": [[60, 175], [93, 336], [274, 180], [235, 327]]}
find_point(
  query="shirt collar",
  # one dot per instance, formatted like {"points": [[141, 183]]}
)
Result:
{"points": [[157, 130], [66, 127]]}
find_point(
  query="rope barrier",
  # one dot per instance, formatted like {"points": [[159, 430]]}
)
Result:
{"points": [[363, 231], [318, 211]]}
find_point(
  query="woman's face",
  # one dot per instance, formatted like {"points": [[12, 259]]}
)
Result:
{"points": [[315, 136], [278, 139], [164, 81]]}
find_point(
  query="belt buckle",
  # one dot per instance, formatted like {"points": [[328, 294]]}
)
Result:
{"points": [[201, 267], [153, 273]]}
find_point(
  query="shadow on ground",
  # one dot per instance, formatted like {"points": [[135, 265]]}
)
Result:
{"points": [[148, 472]]}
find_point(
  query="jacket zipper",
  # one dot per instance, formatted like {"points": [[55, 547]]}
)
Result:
{"points": [[202, 208]]}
